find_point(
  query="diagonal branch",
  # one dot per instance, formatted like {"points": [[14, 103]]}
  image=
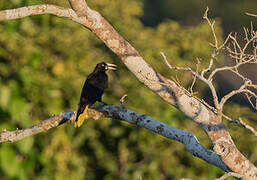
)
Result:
{"points": [[250, 14], [242, 89], [187, 138], [229, 174]]}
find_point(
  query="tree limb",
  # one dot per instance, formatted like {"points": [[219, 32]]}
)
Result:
{"points": [[250, 14], [116, 112], [36, 10], [229, 174]]}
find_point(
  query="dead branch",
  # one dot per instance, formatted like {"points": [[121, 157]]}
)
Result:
{"points": [[36, 10], [250, 14], [240, 57], [211, 24], [229, 174], [199, 76], [116, 112]]}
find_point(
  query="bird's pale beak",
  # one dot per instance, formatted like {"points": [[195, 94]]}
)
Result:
{"points": [[111, 66]]}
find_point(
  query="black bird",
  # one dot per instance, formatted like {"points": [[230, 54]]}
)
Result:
{"points": [[93, 90]]}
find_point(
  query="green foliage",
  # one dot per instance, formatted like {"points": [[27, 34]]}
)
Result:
{"points": [[43, 63]]}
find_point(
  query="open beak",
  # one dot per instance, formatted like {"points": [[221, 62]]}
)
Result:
{"points": [[111, 66]]}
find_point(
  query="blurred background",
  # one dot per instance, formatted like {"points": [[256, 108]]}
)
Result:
{"points": [[44, 61]]}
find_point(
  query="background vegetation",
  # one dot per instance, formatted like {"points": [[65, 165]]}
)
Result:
{"points": [[44, 61]]}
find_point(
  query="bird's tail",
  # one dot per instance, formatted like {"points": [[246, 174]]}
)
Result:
{"points": [[81, 114]]}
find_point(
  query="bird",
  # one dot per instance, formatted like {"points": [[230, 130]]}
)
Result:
{"points": [[93, 89]]}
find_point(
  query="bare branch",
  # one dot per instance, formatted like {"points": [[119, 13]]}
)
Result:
{"points": [[122, 101], [173, 67], [208, 69], [252, 94], [196, 72], [250, 14], [248, 127], [36, 10], [229, 174], [232, 93], [197, 75], [43, 126], [187, 138], [211, 24], [241, 58], [241, 123]]}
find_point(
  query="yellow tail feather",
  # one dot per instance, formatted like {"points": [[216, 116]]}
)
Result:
{"points": [[81, 118]]}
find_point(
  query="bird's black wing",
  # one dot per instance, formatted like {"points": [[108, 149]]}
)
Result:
{"points": [[90, 94], [99, 80]]}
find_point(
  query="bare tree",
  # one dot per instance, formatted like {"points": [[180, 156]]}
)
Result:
{"points": [[225, 155]]}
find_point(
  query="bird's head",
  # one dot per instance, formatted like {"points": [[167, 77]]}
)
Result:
{"points": [[103, 66]]}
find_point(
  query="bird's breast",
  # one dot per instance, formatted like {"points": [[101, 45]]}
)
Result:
{"points": [[99, 80]]}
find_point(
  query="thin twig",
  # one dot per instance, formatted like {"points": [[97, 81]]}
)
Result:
{"points": [[234, 92], [194, 79], [241, 123], [250, 14], [122, 101], [207, 69], [211, 24], [229, 174], [196, 74], [170, 66]]}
